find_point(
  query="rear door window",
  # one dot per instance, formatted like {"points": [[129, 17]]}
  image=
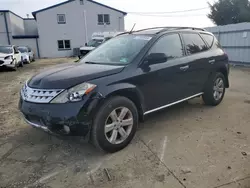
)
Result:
{"points": [[193, 43], [208, 38]]}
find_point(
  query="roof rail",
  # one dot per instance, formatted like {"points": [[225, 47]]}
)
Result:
{"points": [[177, 28], [169, 27], [153, 28]]}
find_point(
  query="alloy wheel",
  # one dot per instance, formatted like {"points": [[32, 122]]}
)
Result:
{"points": [[118, 125], [218, 88]]}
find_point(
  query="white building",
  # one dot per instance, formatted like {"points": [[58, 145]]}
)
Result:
{"points": [[17, 30], [60, 28]]}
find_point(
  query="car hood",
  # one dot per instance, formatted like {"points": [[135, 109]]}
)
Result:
{"points": [[2, 55], [68, 75], [24, 54]]}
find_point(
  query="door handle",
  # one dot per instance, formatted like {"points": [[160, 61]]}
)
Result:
{"points": [[212, 61], [184, 68]]}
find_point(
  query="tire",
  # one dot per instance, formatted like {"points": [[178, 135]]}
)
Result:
{"points": [[209, 96], [102, 140], [21, 64]]}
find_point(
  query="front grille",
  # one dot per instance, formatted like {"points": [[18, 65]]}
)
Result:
{"points": [[39, 95], [1, 62]]}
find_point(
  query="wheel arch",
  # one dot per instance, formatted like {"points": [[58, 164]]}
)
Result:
{"points": [[131, 92], [224, 71]]}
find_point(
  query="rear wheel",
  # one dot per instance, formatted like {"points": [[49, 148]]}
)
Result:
{"points": [[215, 90], [115, 124]]}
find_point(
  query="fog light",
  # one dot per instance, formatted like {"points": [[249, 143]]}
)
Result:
{"points": [[66, 129]]}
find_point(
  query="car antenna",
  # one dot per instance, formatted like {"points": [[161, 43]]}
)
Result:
{"points": [[132, 28]]}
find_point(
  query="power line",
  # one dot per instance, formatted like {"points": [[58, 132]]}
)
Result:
{"points": [[182, 15], [171, 12]]}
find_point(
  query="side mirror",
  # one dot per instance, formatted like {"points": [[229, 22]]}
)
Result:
{"points": [[16, 52], [155, 58]]}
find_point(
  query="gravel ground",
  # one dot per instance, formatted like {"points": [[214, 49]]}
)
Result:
{"points": [[188, 145]]}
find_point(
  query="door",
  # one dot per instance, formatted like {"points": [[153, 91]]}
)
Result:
{"points": [[164, 83], [199, 57]]}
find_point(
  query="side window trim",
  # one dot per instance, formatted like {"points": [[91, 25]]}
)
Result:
{"points": [[185, 44]]}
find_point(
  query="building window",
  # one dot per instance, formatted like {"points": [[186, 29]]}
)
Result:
{"points": [[64, 45], [81, 2], [61, 19], [103, 19]]}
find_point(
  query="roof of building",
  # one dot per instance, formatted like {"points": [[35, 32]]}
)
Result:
{"points": [[16, 15], [69, 1], [11, 12]]}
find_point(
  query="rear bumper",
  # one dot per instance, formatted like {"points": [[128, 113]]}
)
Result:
{"points": [[69, 119]]}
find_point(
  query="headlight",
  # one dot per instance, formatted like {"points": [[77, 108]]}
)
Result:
{"points": [[10, 57], [74, 94]]}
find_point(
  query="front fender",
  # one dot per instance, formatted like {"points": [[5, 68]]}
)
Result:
{"points": [[122, 86], [127, 90]]}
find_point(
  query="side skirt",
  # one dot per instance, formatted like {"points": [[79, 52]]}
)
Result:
{"points": [[171, 104]]}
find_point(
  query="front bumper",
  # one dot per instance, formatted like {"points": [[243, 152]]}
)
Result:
{"points": [[25, 59], [69, 119], [7, 63], [84, 52]]}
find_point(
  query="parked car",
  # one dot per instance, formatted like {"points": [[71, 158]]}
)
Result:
{"points": [[31, 54], [126, 78], [24, 54], [10, 57]]}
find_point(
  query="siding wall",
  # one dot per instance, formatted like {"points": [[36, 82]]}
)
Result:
{"points": [[3, 31], [17, 24], [74, 29], [235, 39], [3, 34], [30, 27]]}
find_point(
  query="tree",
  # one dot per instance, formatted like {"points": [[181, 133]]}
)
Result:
{"points": [[225, 12]]}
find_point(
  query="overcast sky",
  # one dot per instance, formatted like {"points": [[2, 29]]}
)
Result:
{"points": [[193, 18]]}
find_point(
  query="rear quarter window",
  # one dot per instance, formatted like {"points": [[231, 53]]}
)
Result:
{"points": [[193, 43], [208, 38]]}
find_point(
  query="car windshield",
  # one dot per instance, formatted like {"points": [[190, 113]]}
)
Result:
{"points": [[6, 49], [118, 51], [22, 49], [94, 42]]}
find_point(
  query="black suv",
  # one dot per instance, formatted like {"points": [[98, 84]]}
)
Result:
{"points": [[105, 95]]}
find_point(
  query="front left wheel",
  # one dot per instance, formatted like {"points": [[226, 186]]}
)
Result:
{"points": [[115, 124]]}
